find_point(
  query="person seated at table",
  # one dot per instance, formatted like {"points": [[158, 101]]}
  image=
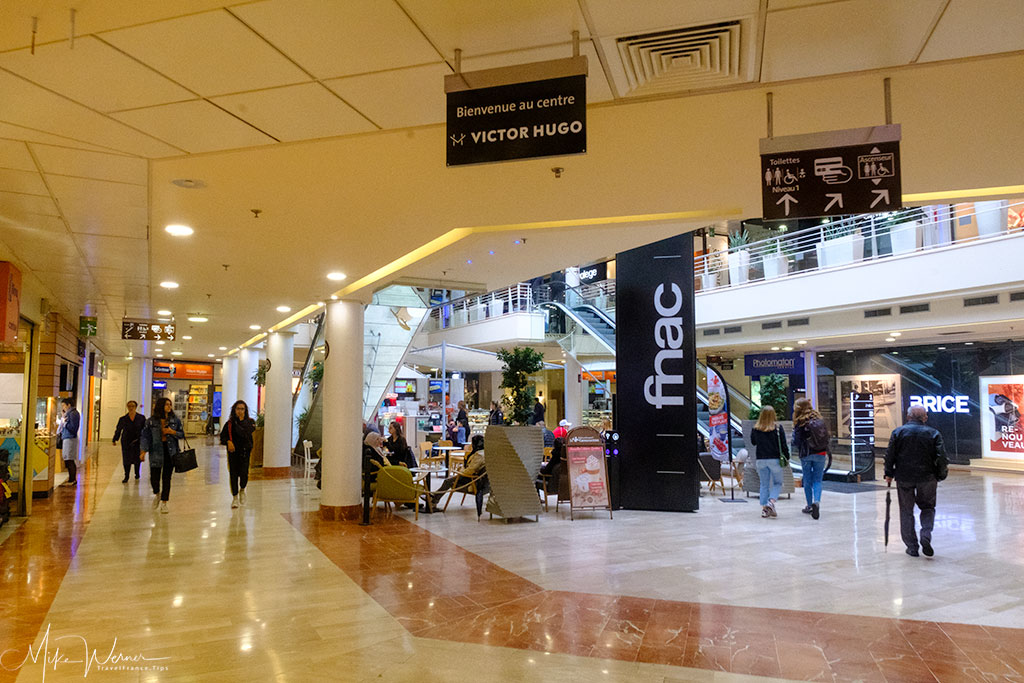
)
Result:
{"points": [[557, 456], [474, 467], [549, 436], [401, 454], [373, 452]]}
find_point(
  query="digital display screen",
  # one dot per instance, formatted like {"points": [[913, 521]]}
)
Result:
{"points": [[405, 386]]}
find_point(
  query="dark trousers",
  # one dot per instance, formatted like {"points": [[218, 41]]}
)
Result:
{"points": [[72, 467], [129, 459], [922, 495], [160, 477], [238, 470]]}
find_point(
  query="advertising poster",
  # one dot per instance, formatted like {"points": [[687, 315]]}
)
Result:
{"points": [[886, 391], [718, 406], [588, 474], [1002, 432]]}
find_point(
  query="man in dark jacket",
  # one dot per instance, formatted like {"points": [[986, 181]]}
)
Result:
{"points": [[538, 412], [912, 460]]}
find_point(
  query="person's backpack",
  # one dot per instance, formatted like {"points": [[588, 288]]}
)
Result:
{"points": [[817, 436]]}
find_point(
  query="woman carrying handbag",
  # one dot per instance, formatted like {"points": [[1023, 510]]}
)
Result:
{"points": [[237, 436], [769, 438], [160, 440]]}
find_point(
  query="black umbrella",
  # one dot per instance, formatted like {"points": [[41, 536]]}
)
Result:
{"points": [[888, 511]]}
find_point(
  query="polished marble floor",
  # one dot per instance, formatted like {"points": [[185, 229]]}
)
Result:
{"points": [[271, 592]]}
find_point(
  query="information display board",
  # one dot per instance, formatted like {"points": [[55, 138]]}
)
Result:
{"points": [[588, 472], [862, 428], [1002, 430]]}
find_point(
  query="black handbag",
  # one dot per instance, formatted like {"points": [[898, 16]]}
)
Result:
{"points": [[185, 460]]}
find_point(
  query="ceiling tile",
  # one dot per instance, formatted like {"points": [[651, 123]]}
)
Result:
{"points": [[94, 74], [36, 224], [399, 98], [597, 84], [15, 205], [85, 164], [481, 27], [977, 27], [296, 112], [102, 207], [25, 182], [211, 53], [17, 135], [816, 40], [15, 155], [617, 18], [104, 249], [30, 106], [359, 35], [194, 126]]}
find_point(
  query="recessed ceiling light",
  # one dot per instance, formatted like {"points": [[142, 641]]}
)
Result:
{"points": [[164, 320], [163, 311], [968, 343], [284, 309], [169, 284], [178, 230], [189, 183], [187, 337], [469, 262], [942, 348], [161, 342], [217, 359], [821, 355], [787, 348], [890, 339], [320, 303], [175, 353], [802, 341], [895, 353], [334, 297], [197, 319], [222, 348], [895, 334], [255, 327], [491, 252], [336, 276], [775, 348], [211, 355], [849, 351]]}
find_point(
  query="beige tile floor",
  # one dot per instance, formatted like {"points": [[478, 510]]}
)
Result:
{"points": [[242, 596]]}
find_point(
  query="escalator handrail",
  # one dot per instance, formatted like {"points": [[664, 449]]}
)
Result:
{"points": [[610, 345], [600, 314]]}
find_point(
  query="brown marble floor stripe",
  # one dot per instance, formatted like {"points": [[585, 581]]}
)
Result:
{"points": [[437, 589]]}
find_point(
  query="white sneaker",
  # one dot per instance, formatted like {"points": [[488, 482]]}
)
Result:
{"points": [[234, 502], [163, 507], [156, 500], [241, 497]]}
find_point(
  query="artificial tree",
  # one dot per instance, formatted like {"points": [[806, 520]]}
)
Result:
{"points": [[773, 393], [519, 364]]}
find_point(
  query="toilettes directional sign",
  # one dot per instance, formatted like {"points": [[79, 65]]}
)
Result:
{"points": [[521, 112], [831, 174]]}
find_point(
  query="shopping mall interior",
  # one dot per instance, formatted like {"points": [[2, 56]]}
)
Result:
{"points": [[567, 257]]}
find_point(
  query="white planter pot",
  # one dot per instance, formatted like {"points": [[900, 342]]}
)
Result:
{"points": [[991, 217], [739, 267], [496, 308], [775, 265], [478, 312], [461, 317], [905, 238], [708, 281], [840, 251]]}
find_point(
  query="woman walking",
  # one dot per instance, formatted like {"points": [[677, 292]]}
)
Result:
{"points": [[160, 440], [237, 436], [496, 417], [810, 441], [769, 439]]}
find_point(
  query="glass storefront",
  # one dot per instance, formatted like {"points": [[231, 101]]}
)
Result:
{"points": [[15, 365]]}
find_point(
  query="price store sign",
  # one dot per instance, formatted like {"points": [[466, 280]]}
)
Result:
{"points": [[146, 330]]}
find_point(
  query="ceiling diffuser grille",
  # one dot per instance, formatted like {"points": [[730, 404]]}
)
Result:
{"points": [[683, 58]]}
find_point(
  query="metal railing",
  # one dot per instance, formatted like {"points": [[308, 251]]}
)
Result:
{"points": [[855, 239], [516, 298], [600, 295]]}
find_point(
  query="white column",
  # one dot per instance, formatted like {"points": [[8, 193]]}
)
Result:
{"points": [[277, 439], [248, 362], [140, 383], [341, 469], [573, 391], [228, 386], [811, 376]]}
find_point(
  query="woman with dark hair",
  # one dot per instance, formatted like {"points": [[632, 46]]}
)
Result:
{"points": [[237, 436], [160, 440], [496, 417], [398, 446]]}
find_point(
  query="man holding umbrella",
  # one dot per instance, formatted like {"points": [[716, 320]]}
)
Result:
{"points": [[916, 459]]}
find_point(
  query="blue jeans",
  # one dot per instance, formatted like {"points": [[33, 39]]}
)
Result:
{"points": [[813, 467], [769, 471]]}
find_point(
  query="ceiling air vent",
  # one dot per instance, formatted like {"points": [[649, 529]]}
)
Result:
{"points": [[915, 308], [734, 329], [981, 300], [798, 322], [877, 312], [775, 325], [1016, 296], [687, 58], [711, 332]]}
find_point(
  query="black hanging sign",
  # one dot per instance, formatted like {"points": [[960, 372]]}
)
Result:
{"points": [[147, 330], [656, 368], [831, 174], [493, 116]]}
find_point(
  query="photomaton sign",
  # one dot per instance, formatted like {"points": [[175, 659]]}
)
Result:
{"points": [[522, 112], [758, 364], [655, 363]]}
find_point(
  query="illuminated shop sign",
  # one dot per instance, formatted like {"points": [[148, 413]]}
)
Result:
{"points": [[942, 404], [1002, 429]]}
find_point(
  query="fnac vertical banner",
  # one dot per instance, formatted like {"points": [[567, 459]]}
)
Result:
{"points": [[10, 302], [1002, 428], [655, 357]]}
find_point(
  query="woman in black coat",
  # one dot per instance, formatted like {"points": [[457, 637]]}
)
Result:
{"points": [[237, 436], [399, 447], [129, 433]]}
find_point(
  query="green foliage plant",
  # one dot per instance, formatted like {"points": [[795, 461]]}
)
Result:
{"points": [[518, 365]]}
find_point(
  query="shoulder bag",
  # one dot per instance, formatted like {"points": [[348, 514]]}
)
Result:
{"points": [[185, 461], [783, 460]]}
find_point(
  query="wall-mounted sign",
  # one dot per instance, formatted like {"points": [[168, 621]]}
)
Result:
{"points": [[147, 330], [596, 272], [172, 370], [942, 404], [656, 364], [87, 326], [831, 174], [758, 364], [523, 112], [159, 384], [10, 302], [1002, 429]]}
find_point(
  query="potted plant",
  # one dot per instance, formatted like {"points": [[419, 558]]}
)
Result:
{"points": [[709, 274], [739, 258], [840, 245], [315, 375], [773, 393], [775, 261], [260, 378], [519, 364]]}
